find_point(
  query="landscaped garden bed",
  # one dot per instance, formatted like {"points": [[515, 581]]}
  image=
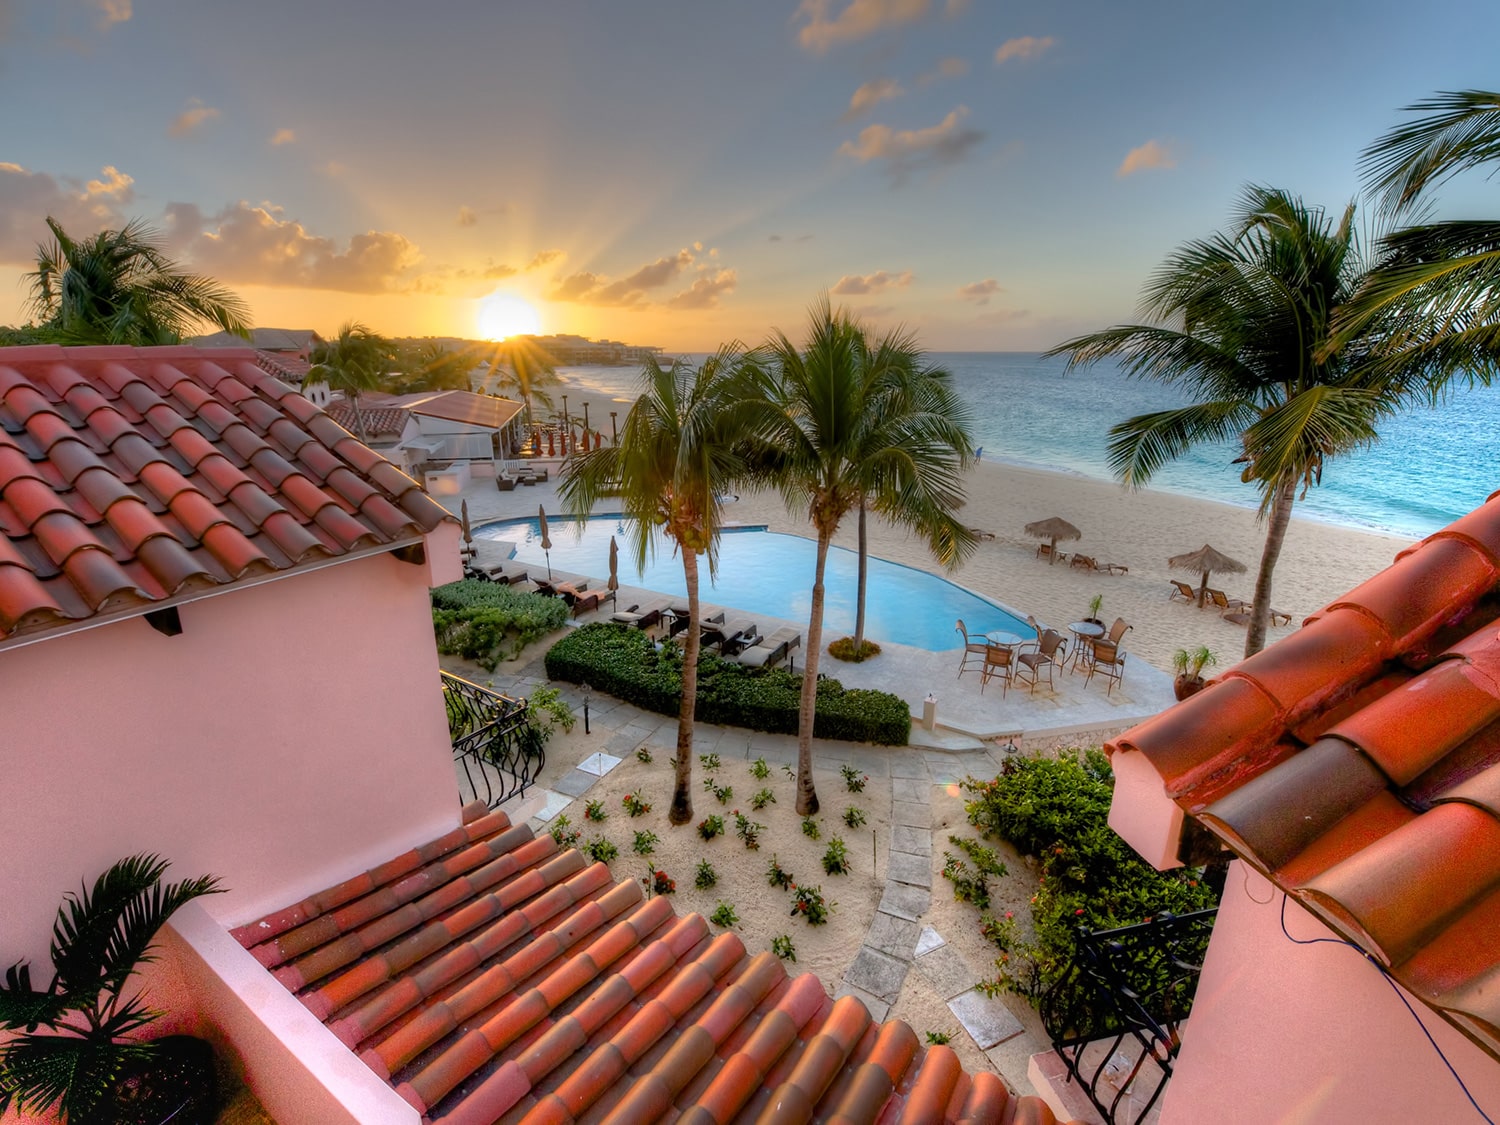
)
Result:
{"points": [[487, 622]]}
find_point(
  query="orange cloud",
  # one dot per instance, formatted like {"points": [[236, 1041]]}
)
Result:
{"points": [[112, 12], [871, 94], [467, 217], [980, 292], [859, 19], [851, 285], [1152, 154], [943, 143], [587, 288], [283, 137], [705, 291], [1026, 47], [193, 117]]}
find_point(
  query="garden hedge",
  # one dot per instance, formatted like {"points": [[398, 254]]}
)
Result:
{"points": [[624, 662], [481, 620]]}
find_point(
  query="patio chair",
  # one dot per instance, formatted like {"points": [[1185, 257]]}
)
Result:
{"points": [[1227, 606], [505, 573], [1117, 630], [1051, 650], [1181, 590], [974, 646], [1107, 660], [1045, 552], [590, 600], [770, 651], [738, 639], [999, 661]]}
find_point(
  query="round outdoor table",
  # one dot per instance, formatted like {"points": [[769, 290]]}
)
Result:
{"points": [[1085, 631], [1004, 639]]}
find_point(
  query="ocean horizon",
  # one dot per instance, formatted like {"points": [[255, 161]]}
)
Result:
{"points": [[1430, 466]]}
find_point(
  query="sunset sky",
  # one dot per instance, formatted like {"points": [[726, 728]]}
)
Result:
{"points": [[685, 172]]}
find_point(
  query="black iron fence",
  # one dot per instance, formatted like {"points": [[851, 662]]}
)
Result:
{"points": [[498, 753], [1115, 1017]]}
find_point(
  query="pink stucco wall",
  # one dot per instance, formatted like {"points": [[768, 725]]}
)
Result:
{"points": [[1142, 813], [1282, 1032], [292, 735]]}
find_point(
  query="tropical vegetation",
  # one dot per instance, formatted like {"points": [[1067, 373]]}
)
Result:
{"points": [[851, 422], [355, 361], [521, 369], [119, 287], [1244, 324], [487, 622], [680, 451]]}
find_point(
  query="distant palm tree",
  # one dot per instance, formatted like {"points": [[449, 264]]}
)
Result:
{"points": [[844, 421], [117, 287], [354, 361], [1243, 324], [681, 449], [428, 365], [522, 369]]}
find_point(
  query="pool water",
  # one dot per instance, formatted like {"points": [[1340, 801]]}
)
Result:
{"points": [[770, 573]]}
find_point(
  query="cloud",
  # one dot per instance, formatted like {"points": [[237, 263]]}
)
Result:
{"points": [[1152, 154], [773, 238], [283, 137], [853, 285], [194, 116], [1026, 47], [494, 273], [112, 12], [251, 245], [543, 257], [944, 143], [946, 68], [980, 292], [594, 289], [332, 169], [705, 291], [467, 217], [858, 20], [82, 208], [871, 94], [115, 184]]}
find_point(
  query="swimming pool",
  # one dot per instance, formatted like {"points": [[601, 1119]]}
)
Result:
{"points": [[770, 573]]}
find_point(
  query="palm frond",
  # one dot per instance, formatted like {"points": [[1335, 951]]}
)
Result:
{"points": [[1141, 445], [1460, 130]]}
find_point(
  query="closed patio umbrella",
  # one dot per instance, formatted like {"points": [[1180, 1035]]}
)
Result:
{"points": [[1205, 560], [463, 510], [1053, 529], [541, 517], [614, 564]]}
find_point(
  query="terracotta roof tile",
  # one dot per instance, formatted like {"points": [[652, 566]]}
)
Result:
{"points": [[1357, 762], [534, 988]]}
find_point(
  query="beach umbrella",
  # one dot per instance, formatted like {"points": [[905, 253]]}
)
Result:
{"points": [[551, 445], [463, 510], [1053, 529], [614, 564], [1205, 560], [541, 517]]}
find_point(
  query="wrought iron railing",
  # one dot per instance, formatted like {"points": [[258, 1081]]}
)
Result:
{"points": [[1115, 1016], [496, 750]]}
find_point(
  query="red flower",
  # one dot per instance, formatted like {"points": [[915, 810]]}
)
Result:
{"points": [[1078, 911]]}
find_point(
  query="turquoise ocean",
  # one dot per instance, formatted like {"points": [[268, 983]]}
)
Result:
{"points": [[1430, 466]]}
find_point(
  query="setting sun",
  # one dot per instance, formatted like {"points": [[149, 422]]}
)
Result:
{"points": [[502, 314]]}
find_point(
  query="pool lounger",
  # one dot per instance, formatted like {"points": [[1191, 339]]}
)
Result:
{"points": [[640, 619], [771, 650], [505, 573]]}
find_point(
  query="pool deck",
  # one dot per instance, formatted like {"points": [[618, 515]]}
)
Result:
{"points": [[965, 714]]}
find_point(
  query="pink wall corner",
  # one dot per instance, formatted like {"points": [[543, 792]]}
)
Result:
{"points": [[1282, 1032], [294, 734], [444, 564], [1142, 813]]}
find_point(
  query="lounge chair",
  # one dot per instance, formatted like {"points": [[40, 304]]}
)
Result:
{"points": [[1181, 590], [981, 534], [1114, 568], [1085, 562], [770, 651], [999, 661], [506, 573], [1231, 609], [974, 647], [1051, 650], [1045, 552], [1106, 659], [637, 618], [505, 482]]}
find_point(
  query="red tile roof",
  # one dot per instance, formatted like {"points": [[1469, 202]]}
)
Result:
{"points": [[383, 421], [465, 406], [1357, 763], [492, 976], [132, 476]]}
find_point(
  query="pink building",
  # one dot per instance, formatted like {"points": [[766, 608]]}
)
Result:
{"points": [[1354, 768], [215, 644]]}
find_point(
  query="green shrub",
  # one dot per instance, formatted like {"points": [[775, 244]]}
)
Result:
{"points": [[624, 662], [487, 622], [1057, 810], [810, 828], [762, 799], [724, 915], [645, 842], [778, 876], [706, 876], [836, 858], [854, 816], [711, 826], [759, 770], [600, 850], [938, 1038], [782, 946], [843, 649]]}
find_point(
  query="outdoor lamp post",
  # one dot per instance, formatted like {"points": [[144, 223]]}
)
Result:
{"points": [[614, 432], [567, 430], [585, 417], [587, 691]]}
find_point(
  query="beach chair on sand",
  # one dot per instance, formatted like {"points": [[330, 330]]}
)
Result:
{"points": [[1045, 552], [981, 534], [1181, 590], [1230, 609], [1084, 562]]}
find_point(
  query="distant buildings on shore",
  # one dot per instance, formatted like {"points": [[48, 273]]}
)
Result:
{"points": [[570, 350]]}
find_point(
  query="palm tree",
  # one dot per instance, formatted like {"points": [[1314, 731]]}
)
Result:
{"points": [[1243, 325], [681, 449], [117, 287], [428, 365], [354, 361], [844, 420], [521, 368]]}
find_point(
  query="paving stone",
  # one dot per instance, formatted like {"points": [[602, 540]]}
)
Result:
{"points": [[917, 791], [915, 870], [911, 813], [878, 1008], [873, 762], [575, 783], [986, 1018], [905, 901], [908, 766], [893, 935], [555, 803], [623, 742], [929, 940], [878, 974], [947, 971], [914, 841], [599, 764]]}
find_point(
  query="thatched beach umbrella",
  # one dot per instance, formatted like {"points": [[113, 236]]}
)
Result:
{"points": [[1205, 560], [463, 515], [1053, 529], [541, 516], [614, 564]]}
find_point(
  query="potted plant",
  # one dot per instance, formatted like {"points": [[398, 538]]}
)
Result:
{"points": [[1189, 663], [1093, 616], [88, 1062]]}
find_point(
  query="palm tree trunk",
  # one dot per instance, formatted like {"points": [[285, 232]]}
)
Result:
{"points": [[807, 795], [1260, 612], [359, 419], [859, 599], [682, 793]]}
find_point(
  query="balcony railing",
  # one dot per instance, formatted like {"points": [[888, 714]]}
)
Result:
{"points": [[1115, 1017], [498, 754]]}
